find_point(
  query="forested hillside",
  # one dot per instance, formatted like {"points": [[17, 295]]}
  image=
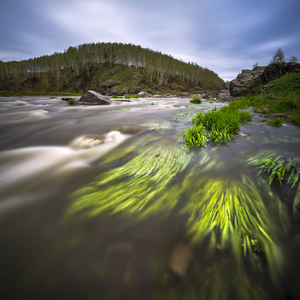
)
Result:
{"points": [[103, 65]]}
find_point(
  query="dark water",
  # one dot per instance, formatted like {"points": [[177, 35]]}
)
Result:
{"points": [[105, 203]]}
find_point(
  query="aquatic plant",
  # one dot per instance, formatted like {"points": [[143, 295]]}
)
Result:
{"points": [[196, 101], [164, 125], [221, 119], [194, 137], [232, 213], [278, 169], [222, 123], [244, 116], [221, 137], [136, 189], [296, 204], [276, 122], [198, 119], [71, 102], [116, 97]]}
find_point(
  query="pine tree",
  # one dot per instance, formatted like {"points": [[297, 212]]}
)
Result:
{"points": [[278, 56]]}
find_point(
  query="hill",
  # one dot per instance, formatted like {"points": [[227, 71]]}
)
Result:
{"points": [[110, 68]]}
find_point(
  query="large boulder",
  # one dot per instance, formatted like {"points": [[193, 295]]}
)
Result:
{"points": [[244, 80], [94, 98]]}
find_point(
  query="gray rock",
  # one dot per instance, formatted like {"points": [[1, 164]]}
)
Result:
{"points": [[94, 98], [224, 95], [142, 94], [244, 80]]}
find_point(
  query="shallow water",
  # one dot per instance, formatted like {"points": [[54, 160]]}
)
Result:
{"points": [[105, 203]]}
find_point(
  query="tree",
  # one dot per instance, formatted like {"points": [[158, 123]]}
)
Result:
{"points": [[293, 59], [278, 56], [255, 65]]}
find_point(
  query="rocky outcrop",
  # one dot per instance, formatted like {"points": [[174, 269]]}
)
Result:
{"points": [[224, 95], [246, 79], [94, 98], [276, 70], [260, 76]]}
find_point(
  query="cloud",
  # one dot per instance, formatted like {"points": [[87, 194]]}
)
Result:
{"points": [[223, 36]]}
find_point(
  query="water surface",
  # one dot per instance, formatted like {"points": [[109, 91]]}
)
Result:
{"points": [[106, 203]]}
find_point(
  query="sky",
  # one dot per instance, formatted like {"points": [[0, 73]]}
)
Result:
{"points": [[225, 36]]}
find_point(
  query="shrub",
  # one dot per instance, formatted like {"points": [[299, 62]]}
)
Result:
{"points": [[195, 137], [276, 122], [196, 101], [71, 102]]}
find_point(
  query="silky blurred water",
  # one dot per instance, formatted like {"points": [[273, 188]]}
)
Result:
{"points": [[82, 218]]}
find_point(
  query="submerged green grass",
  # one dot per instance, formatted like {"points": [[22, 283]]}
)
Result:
{"points": [[138, 188], [233, 213]]}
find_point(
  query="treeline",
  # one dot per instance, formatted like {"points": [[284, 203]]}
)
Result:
{"points": [[157, 67]]}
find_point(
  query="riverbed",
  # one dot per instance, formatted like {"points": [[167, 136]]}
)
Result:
{"points": [[105, 202]]}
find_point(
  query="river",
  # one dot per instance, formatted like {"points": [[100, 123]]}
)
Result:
{"points": [[105, 202]]}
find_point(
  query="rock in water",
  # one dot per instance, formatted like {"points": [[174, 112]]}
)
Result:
{"points": [[94, 98], [180, 259]]}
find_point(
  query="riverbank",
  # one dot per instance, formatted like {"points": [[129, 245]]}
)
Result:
{"points": [[280, 96]]}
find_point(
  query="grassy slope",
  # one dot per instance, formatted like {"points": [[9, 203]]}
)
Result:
{"points": [[282, 97]]}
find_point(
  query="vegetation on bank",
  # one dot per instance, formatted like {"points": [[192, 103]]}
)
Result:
{"points": [[276, 122], [105, 65], [217, 125], [131, 96], [283, 96]]}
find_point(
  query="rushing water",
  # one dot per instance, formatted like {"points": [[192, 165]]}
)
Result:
{"points": [[104, 202]]}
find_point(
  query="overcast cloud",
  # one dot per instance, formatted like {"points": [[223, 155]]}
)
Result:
{"points": [[225, 36]]}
